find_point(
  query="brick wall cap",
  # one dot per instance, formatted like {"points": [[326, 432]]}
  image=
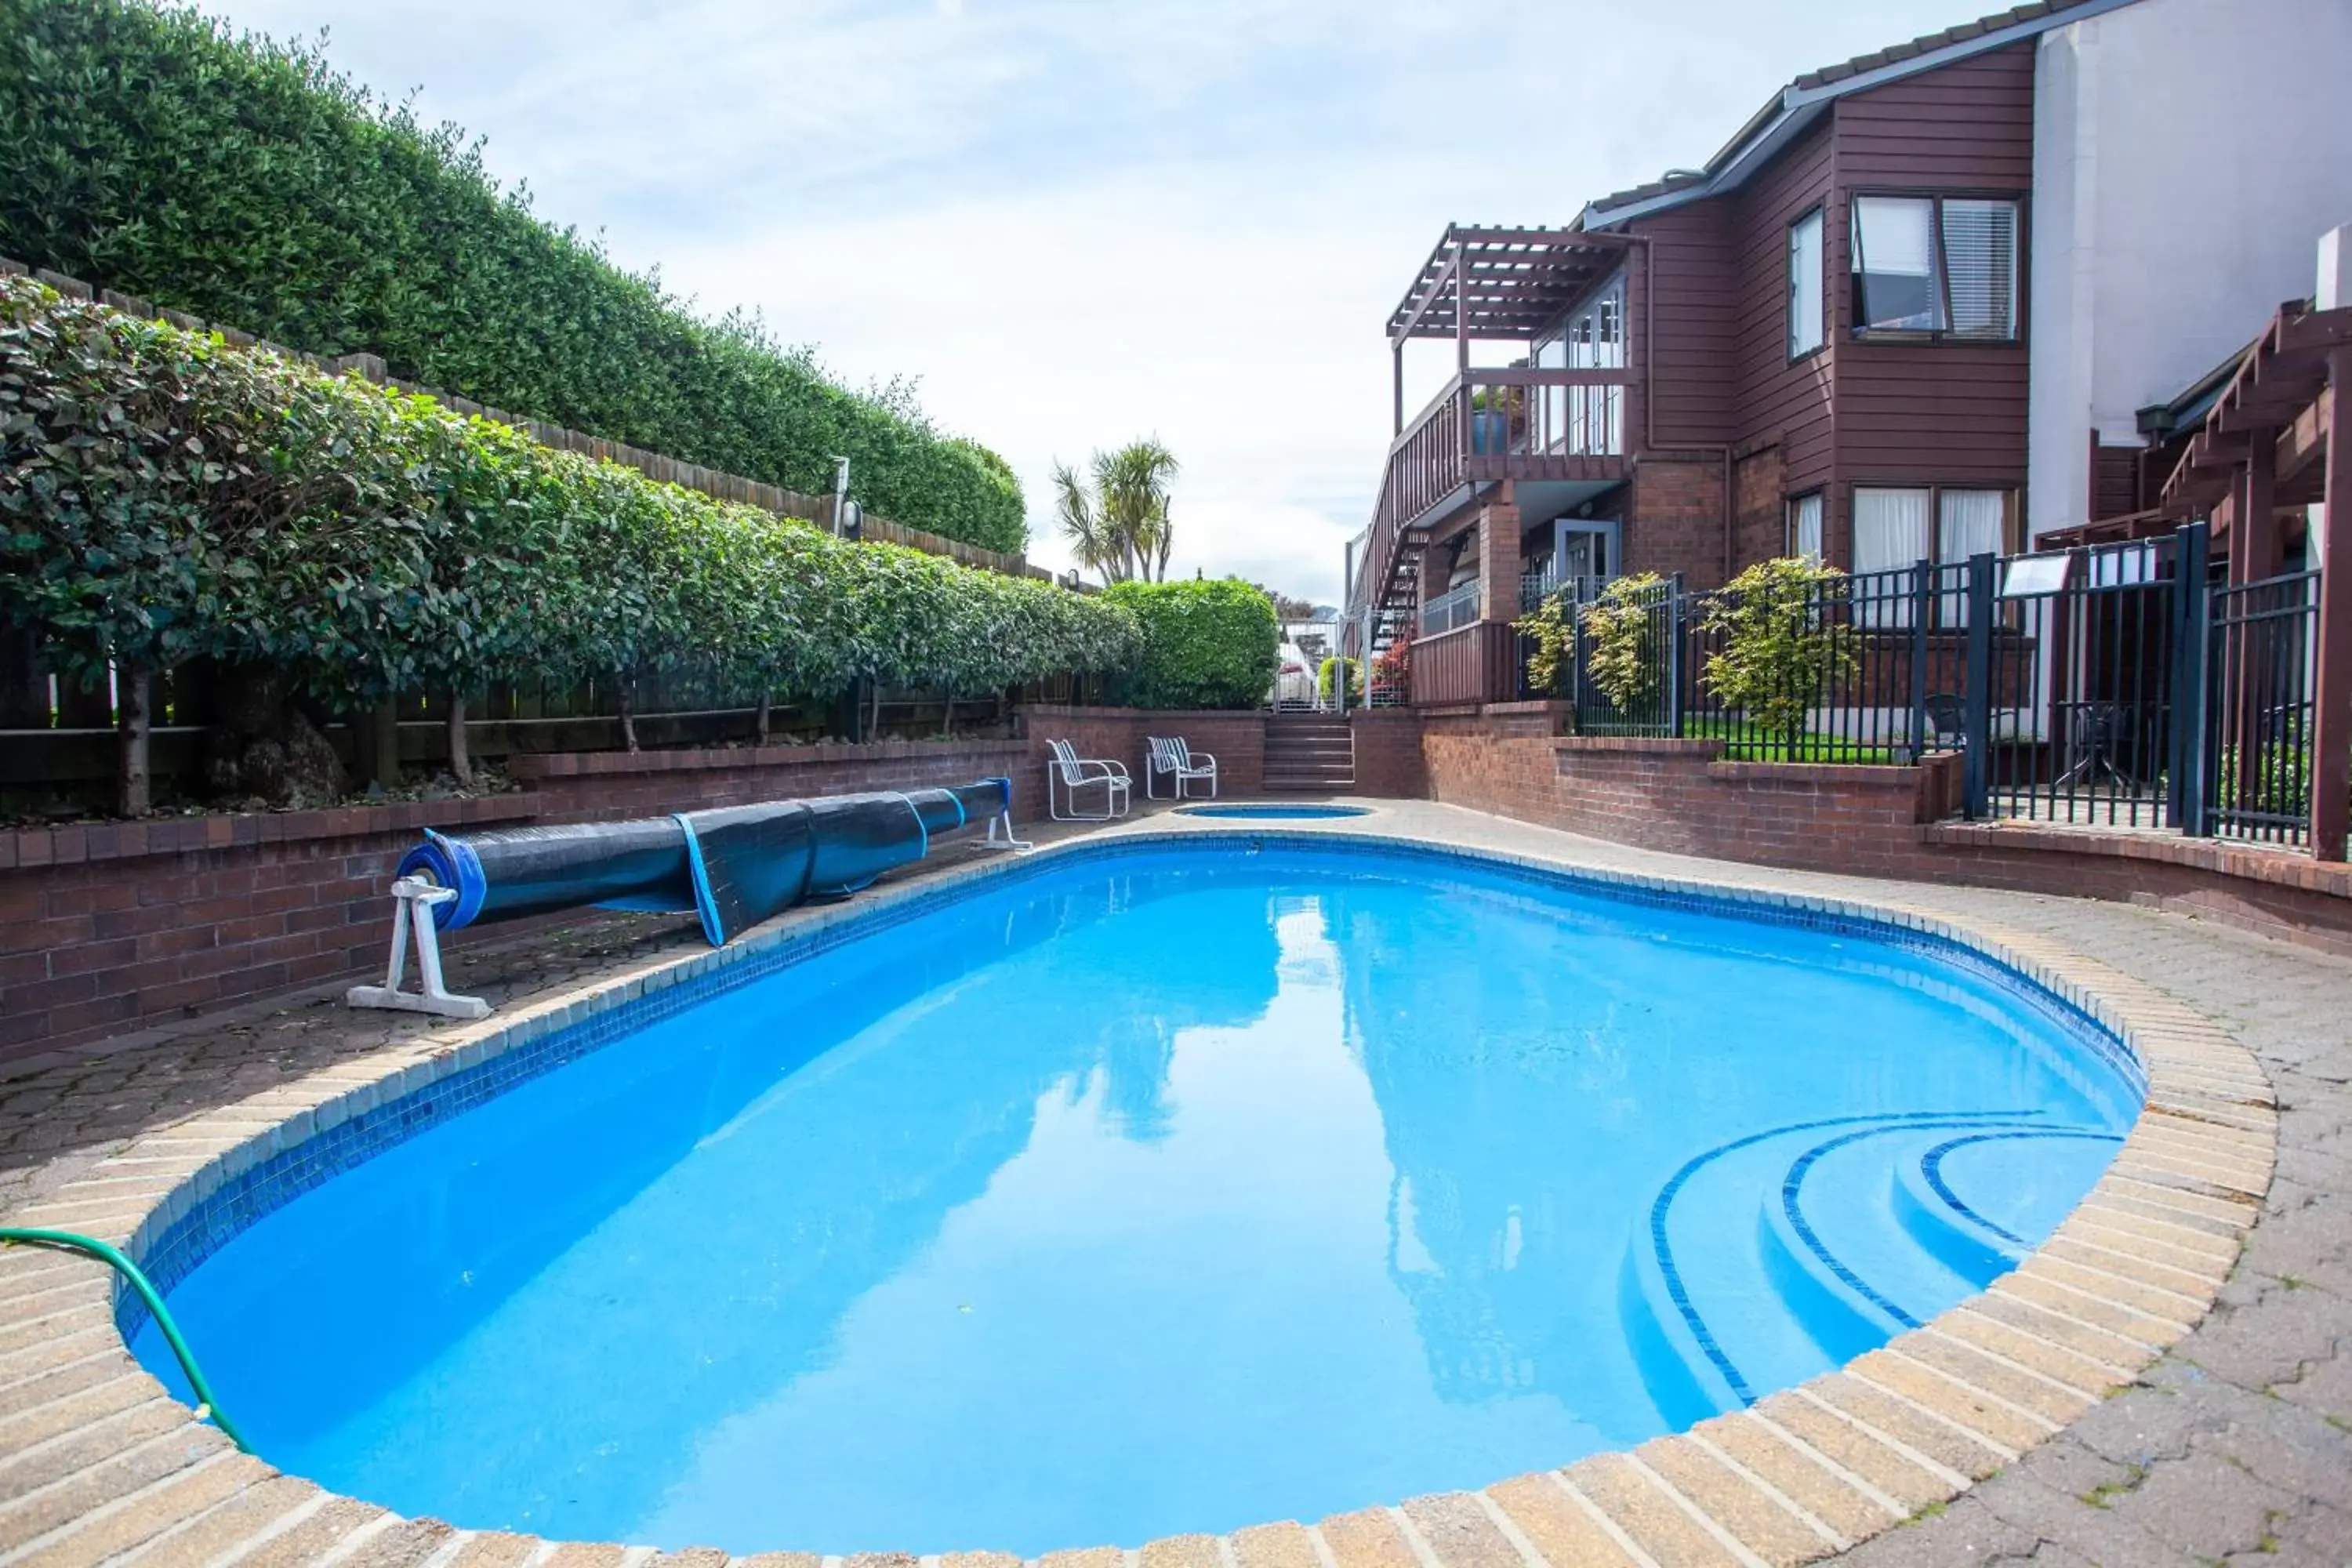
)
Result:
{"points": [[1903, 778], [32, 847], [2253, 863], [1662, 745], [574, 764]]}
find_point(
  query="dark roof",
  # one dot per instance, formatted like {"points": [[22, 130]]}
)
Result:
{"points": [[2046, 13]]}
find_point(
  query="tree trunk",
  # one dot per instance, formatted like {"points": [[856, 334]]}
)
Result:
{"points": [[629, 715], [874, 729], [461, 762], [766, 700], [946, 715], [132, 797]]}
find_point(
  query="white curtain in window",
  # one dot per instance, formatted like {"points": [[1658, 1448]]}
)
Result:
{"points": [[1805, 527], [1805, 285], [1895, 256], [1890, 529], [1980, 261], [1968, 522]]}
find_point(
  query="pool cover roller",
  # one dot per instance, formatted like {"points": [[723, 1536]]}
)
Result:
{"points": [[732, 867]]}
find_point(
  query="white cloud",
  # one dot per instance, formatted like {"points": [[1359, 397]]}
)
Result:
{"points": [[1080, 221]]}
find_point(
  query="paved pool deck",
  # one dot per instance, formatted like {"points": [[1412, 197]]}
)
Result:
{"points": [[2229, 1442]]}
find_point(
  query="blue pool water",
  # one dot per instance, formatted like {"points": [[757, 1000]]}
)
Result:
{"points": [[1170, 1189], [1274, 811]]}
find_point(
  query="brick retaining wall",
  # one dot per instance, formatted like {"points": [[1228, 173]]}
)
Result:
{"points": [[1237, 740], [1681, 798], [109, 927]]}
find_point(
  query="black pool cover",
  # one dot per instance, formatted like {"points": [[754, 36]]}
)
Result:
{"points": [[734, 866]]}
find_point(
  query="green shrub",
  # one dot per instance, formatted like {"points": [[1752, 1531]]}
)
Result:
{"points": [[244, 181], [1330, 667], [1780, 654], [1205, 644], [164, 498], [1625, 651]]}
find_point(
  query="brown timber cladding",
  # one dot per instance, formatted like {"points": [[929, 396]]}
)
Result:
{"points": [[1710, 303]]}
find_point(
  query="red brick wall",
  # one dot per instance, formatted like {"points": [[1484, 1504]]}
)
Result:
{"points": [[1760, 495], [1388, 742], [1676, 797], [1677, 522], [108, 928], [612, 786], [1237, 740]]}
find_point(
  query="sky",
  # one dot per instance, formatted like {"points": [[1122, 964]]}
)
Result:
{"points": [[1074, 222]]}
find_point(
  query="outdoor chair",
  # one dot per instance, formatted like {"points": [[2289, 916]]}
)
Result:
{"points": [[1172, 756], [1074, 772]]}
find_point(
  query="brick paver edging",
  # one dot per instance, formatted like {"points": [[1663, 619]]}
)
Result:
{"points": [[101, 1459]]}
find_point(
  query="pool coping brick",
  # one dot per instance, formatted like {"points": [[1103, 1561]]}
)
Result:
{"points": [[2130, 1272]]}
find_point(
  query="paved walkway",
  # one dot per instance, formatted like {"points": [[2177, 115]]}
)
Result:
{"points": [[2235, 1447]]}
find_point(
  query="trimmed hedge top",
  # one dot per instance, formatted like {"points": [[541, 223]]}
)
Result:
{"points": [[164, 497], [243, 181], [1205, 644]]}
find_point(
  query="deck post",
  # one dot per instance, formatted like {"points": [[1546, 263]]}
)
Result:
{"points": [[2331, 772]]}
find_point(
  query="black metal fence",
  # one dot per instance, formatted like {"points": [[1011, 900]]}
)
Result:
{"points": [[2257, 769], [2115, 685]]}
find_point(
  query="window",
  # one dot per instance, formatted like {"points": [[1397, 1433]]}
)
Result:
{"points": [[1890, 529], [1805, 285], [1895, 528], [1587, 419], [1941, 265], [1805, 527]]}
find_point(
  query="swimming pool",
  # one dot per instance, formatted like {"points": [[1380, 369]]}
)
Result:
{"points": [[1162, 1188]]}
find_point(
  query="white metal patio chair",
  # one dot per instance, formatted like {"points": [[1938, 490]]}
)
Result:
{"points": [[1183, 765], [1073, 773]]}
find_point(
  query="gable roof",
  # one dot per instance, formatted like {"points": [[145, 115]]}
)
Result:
{"points": [[1794, 110]]}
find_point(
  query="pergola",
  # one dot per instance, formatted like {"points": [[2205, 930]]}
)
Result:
{"points": [[1491, 283]]}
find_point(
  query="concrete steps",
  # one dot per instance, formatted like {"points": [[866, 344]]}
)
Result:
{"points": [[1310, 754]]}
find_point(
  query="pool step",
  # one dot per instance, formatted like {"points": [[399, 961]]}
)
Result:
{"points": [[1307, 754], [1782, 1255]]}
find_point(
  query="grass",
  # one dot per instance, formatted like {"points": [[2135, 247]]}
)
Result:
{"points": [[1748, 744]]}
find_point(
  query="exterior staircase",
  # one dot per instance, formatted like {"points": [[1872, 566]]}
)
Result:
{"points": [[1309, 754]]}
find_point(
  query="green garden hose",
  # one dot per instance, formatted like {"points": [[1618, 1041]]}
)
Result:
{"points": [[206, 1403]]}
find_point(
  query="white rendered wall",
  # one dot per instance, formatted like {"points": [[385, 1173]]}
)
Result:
{"points": [[2188, 154]]}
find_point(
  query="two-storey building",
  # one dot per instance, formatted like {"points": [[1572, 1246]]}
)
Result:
{"points": [[1824, 341]]}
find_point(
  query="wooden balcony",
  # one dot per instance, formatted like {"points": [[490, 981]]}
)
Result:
{"points": [[1484, 425]]}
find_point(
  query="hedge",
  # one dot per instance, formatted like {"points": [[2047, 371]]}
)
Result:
{"points": [[1205, 644], [164, 498], [246, 182]]}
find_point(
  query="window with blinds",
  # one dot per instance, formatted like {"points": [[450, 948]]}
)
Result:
{"points": [[1980, 267], [1944, 265]]}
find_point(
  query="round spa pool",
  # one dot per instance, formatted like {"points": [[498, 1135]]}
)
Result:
{"points": [[1151, 1188]]}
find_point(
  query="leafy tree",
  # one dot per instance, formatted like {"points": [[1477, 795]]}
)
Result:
{"points": [[164, 498], [154, 152], [1783, 643], [1117, 519], [1205, 644]]}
